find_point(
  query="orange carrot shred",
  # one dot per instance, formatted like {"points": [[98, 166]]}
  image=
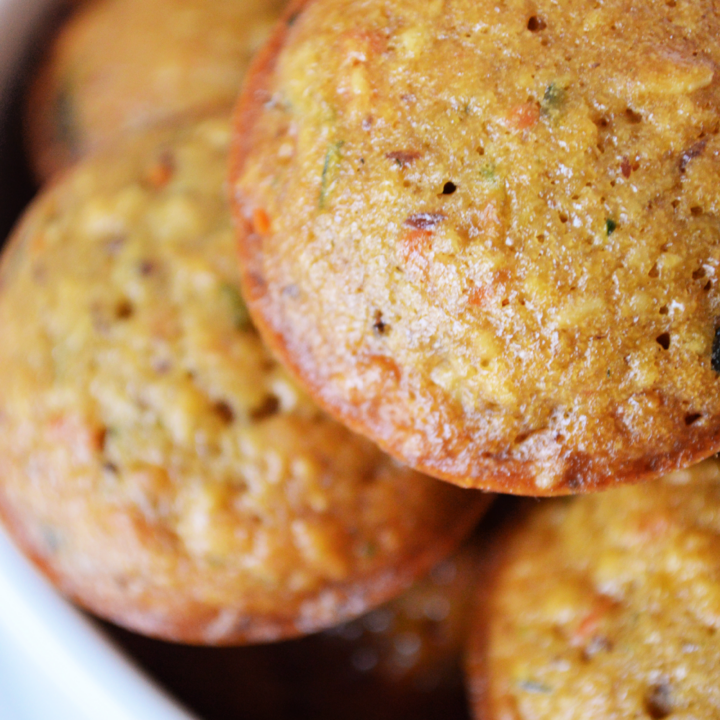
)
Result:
{"points": [[524, 116], [261, 221]]}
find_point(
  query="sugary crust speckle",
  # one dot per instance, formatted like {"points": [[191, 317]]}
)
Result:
{"points": [[155, 460], [489, 240]]}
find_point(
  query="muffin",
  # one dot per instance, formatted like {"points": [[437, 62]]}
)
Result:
{"points": [[607, 606], [489, 239], [155, 460], [402, 661], [118, 65]]}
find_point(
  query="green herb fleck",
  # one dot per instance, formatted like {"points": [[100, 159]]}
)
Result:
{"points": [[369, 550], [238, 310], [715, 356], [65, 120], [610, 226], [553, 99], [329, 172], [51, 537], [488, 172], [533, 686]]}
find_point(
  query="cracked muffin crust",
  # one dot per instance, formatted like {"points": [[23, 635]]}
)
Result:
{"points": [[606, 606], [110, 71], [487, 235], [155, 460]]}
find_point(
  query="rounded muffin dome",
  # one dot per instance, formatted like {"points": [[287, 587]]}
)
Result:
{"points": [[119, 65], [605, 606], [155, 460], [488, 237]]}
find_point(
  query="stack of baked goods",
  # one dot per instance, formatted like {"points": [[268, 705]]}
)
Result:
{"points": [[157, 462], [487, 237], [484, 235]]}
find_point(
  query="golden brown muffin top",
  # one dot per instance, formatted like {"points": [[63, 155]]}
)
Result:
{"points": [[154, 458], [607, 606], [486, 234], [118, 65]]}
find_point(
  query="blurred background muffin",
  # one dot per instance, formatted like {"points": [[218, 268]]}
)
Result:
{"points": [[401, 661], [155, 460], [118, 65]]}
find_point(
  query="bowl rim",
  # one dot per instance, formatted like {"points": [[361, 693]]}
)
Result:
{"points": [[69, 654]]}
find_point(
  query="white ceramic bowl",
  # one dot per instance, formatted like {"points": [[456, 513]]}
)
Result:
{"points": [[54, 662]]}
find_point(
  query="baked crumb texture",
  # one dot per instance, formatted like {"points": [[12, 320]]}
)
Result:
{"points": [[606, 606], [486, 235], [155, 460]]}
